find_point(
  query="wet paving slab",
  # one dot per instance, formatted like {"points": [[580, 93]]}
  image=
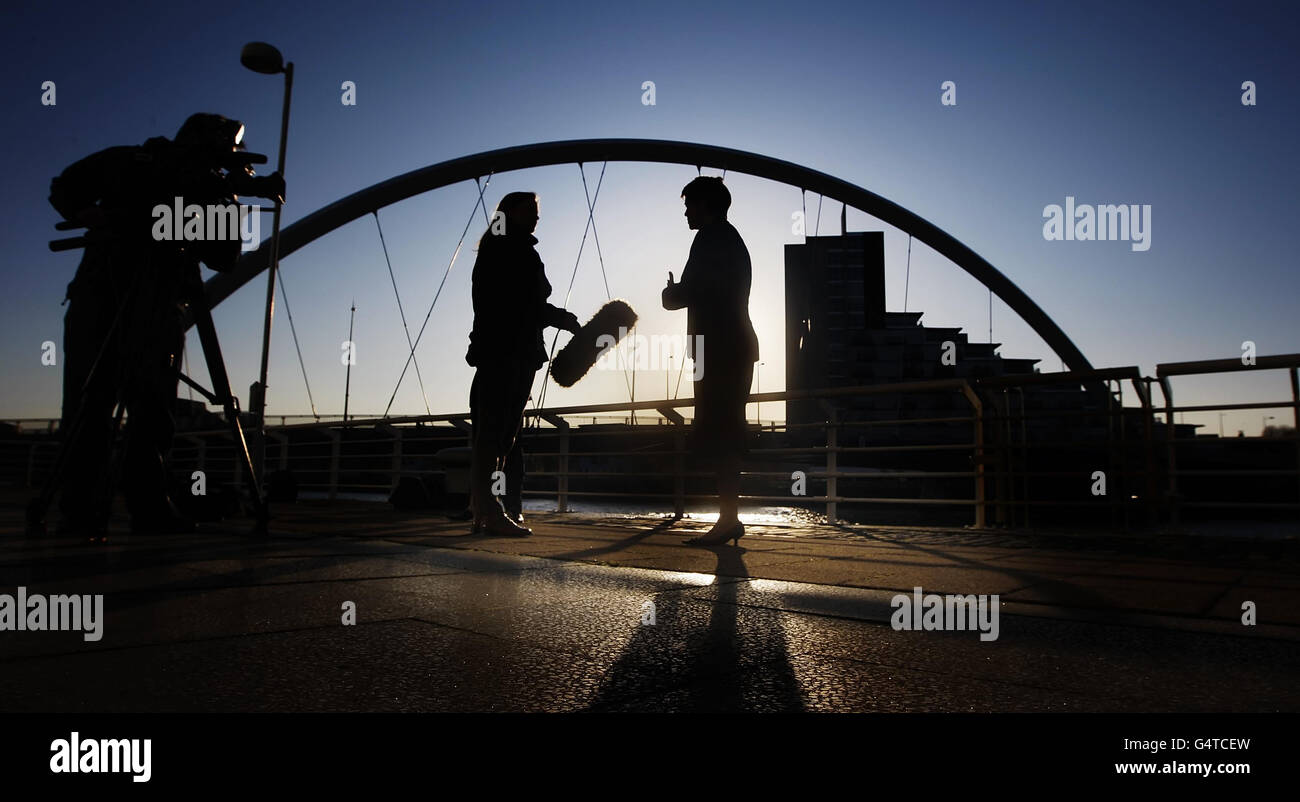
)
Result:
{"points": [[604, 617]]}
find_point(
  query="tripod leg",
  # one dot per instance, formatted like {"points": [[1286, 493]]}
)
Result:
{"points": [[39, 507], [87, 327], [202, 314]]}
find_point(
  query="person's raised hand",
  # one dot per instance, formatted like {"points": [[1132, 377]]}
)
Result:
{"points": [[571, 323]]}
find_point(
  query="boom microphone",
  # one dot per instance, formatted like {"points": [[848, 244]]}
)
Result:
{"points": [[575, 359]]}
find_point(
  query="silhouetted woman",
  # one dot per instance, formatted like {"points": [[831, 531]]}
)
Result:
{"points": [[506, 348], [721, 339]]}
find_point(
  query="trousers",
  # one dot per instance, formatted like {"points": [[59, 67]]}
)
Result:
{"points": [[497, 399]]}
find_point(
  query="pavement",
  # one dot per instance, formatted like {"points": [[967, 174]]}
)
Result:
{"points": [[614, 613]]}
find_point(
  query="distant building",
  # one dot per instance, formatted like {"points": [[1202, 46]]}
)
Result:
{"points": [[839, 334]]}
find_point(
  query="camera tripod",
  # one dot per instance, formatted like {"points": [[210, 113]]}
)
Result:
{"points": [[201, 315]]}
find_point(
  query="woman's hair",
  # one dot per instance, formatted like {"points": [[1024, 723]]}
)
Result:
{"points": [[512, 200], [709, 191]]}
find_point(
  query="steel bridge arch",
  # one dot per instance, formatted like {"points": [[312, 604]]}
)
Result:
{"points": [[425, 179]]}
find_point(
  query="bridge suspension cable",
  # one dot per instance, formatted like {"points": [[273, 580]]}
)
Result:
{"points": [[301, 365], [441, 284], [590, 227], [907, 277], [402, 313], [600, 256]]}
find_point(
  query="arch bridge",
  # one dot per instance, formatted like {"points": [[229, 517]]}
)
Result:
{"points": [[399, 188]]}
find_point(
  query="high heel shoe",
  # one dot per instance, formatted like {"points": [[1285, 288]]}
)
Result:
{"points": [[719, 537], [499, 524]]}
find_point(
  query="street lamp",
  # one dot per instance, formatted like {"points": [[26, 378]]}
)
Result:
{"points": [[263, 58], [758, 376]]}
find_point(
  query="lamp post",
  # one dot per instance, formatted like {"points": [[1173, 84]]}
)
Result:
{"points": [[758, 377], [263, 58]]}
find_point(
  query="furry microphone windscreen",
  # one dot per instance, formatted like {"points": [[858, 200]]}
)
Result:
{"points": [[574, 360]]}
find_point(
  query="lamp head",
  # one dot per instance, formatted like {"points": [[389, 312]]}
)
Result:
{"points": [[261, 57]]}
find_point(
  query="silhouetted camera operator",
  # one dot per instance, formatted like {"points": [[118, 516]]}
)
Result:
{"points": [[124, 329]]}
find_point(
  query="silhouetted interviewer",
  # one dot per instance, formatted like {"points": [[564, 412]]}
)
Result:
{"points": [[510, 311], [720, 337]]}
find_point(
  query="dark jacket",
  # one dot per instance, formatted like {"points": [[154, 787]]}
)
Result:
{"points": [[510, 306], [126, 183], [714, 288]]}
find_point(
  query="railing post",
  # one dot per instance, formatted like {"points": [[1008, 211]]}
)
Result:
{"points": [[1114, 476], [1125, 458], [395, 464], [675, 418], [679, 466], [1295, 405], [562, 478], [562, 503], [397, 459], [1002, 482], [832, 463], [282, 443], [679, 472], [1172, 461], [1024, 458], [979, 459], [1143, 388], [336, 442]]}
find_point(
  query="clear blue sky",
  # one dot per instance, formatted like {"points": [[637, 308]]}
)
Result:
{"points": [[1109, 103]]}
